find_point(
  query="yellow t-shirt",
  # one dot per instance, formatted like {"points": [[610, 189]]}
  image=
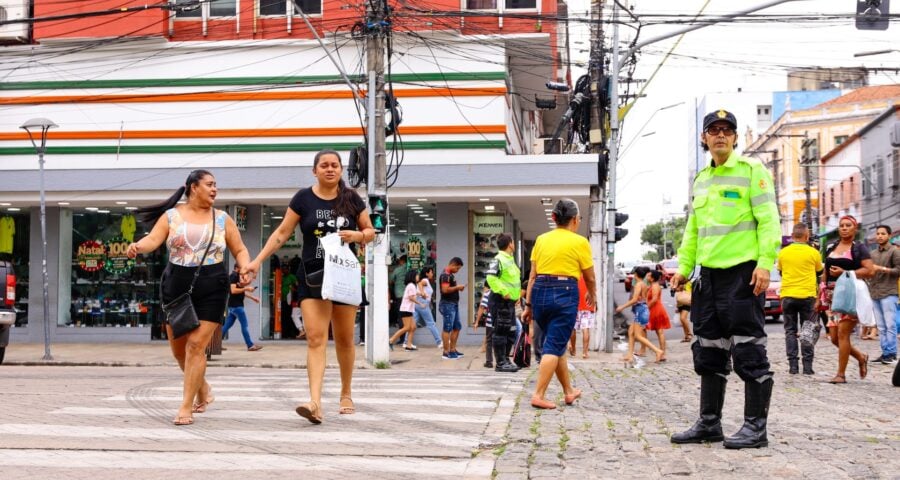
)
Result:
{"points": [[799, 264], [7, 233], [561, 252]]}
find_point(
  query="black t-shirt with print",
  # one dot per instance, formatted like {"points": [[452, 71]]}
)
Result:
{"points": [[448, 278], [316, 220], [858, 253]]}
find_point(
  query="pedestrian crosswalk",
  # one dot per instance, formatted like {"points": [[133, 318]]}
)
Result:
{"points": [[408, 424]]}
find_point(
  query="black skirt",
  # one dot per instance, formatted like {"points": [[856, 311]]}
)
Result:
{"points": [[210, 294]]}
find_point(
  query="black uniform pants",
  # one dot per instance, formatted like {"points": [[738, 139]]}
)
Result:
{"points": [[503, 315], [729, 324]]}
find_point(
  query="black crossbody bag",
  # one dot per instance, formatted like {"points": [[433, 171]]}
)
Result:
{"points": [[180, 313]]}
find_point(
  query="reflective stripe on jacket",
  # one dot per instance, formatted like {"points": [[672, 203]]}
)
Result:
{"points": [[734, 217], [503, 276]]}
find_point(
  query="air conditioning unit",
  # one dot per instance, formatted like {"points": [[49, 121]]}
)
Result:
{"points": [[13, 10], [895, 135]]}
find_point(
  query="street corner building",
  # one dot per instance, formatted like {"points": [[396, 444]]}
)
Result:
{"points": [[245, 89]]}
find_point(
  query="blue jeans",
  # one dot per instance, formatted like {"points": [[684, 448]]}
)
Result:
{"points": [[885, 313], [424, 313], [241, 315], [450, 313], [555, 307]]}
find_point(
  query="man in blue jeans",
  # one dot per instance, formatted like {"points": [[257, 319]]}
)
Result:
{"points": [[449, 308], [236, 308], [883, 288]]}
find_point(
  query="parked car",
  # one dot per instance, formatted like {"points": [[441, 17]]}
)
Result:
{"points": [[773, 296], [7, 301]]}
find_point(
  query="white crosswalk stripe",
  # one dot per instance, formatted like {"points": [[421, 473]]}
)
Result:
{"points": [[407, 424]]}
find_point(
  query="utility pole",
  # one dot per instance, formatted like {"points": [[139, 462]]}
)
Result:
{"points": [[617, 60], [376, 271], [598, 234]]}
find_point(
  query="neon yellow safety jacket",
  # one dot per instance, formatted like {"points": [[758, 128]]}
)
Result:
{"points": [[504, 276], [734, 217]]}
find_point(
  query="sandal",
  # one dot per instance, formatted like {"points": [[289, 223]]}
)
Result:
{"points": [[864, 367], [838, 379], [200, 407], [181, 421], [310, 411], [584, 355], [344, 410]]}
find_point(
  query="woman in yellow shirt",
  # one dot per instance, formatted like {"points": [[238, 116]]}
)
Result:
{"points": [[559, 257]]}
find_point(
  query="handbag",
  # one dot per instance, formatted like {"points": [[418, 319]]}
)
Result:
{"points": [[180, 313], [340, 279], [809, 330], [865, 311], [313, 280]]}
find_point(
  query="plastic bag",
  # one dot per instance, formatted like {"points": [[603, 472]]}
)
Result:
{"points": [[340, 281], [844, 298], [865, 311]]}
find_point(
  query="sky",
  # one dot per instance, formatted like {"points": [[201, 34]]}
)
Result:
{"points": [[652, 174]]}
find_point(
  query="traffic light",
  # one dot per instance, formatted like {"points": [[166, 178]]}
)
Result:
{"points": [[621, 232], [873, 14], [378, 212]]}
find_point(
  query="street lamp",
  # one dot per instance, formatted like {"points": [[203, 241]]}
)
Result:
{"points": [[32, 127]]}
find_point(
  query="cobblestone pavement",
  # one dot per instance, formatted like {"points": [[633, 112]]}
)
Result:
{"points": [[620, 428]]}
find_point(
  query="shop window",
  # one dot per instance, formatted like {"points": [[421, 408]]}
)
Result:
{"points": [[105, 287], [279, 7], [414, 234], [280, 314], [15, 226]]}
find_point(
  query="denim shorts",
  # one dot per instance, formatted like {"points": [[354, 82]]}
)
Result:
{"points": [[554, 303], [641, 314], [450, 314]]}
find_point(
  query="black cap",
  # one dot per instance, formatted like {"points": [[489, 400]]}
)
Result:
{"points": [[719, 115], [565, 209]]}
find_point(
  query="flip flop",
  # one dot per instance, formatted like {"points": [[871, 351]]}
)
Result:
{"points": [[311, 412], [347, 410], [584, 355], [181, 421], [570, 399], [838, 380]]}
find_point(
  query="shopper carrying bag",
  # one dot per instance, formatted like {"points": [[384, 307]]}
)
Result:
{"points": [[180, 313], [340, 281]]}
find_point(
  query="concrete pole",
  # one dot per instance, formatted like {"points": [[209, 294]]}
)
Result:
{"points": [[377, 311], [601, 334], [45, 279], [611, 186]]}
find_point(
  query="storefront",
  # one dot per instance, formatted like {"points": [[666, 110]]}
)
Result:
{"points": [[15, 224]]}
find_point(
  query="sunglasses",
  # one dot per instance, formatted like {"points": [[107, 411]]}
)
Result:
{"points": [[717, 130]]}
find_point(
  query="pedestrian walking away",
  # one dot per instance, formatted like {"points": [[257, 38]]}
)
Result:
{"points": [[883, 289], [659, 317], [558, 258], [800, 265], [637, 330], [845, 255], [733, 233], [236, 307], [196, 235], [584, 322], [505, 281], [449, 308], [424, 294], [326, 207]]}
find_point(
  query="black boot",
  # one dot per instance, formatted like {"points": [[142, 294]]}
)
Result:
{"points": [[503, 363], [807, 366], [708, 428], [756, 412], [794, 368]]}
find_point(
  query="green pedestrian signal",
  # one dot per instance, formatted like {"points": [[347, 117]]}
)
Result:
{"points": [[378, 212]]}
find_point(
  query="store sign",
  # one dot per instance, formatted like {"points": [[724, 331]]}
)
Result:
{"points": [[240, 218], [117, 260], [488, 224], [91, 255], [414, 255]]}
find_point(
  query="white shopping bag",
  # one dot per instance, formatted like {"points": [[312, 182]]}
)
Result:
{"points": [[864, 308], [341, 281]]}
